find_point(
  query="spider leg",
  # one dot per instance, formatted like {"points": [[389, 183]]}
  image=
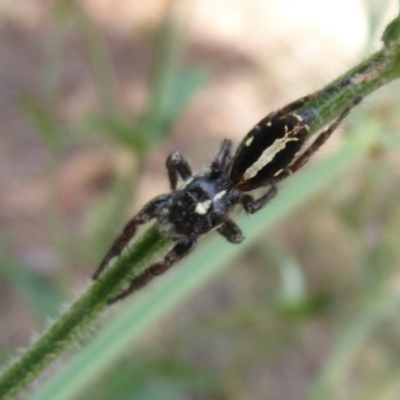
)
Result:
{"points": [[148, 212], [177, 165], [231, 232], [252, 205], [318, 142], [305, 99], [222, 157], [180, 250]]}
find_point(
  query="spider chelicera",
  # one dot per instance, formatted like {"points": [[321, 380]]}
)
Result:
{"points": [[269, 153]]}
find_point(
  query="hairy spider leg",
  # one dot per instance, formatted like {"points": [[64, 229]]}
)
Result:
{"points": [[148, 212], [252, 205], [231, 232], [229, 229], [318, 142], [179, 251], [223, 156], [177, 165]]}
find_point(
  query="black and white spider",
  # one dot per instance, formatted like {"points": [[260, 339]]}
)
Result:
{"points": [[269, 153]]}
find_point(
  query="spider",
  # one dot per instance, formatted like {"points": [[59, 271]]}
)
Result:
{"points": [[268, 154]]}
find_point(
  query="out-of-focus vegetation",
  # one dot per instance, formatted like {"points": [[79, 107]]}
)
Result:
{"points": [[310, 310]]}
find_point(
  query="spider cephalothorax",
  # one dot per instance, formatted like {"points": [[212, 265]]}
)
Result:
{"points": [[274, 149]]}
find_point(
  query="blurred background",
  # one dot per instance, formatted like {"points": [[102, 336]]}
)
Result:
{"points": [[94, 94]]}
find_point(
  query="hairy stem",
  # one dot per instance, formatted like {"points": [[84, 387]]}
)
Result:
{"points": [[73, 323], [378, 70]]}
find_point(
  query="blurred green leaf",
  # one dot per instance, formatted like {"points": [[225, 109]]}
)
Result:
{"points": [[45, 123], [100, 63], [118, 128], [144, 379], [376, 14], [42, 296], [391, 36], [351, 337], [183, 85], [171, 85], [153, 126]]}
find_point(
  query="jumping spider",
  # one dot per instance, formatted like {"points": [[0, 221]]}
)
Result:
{"points": [[269, 153]]}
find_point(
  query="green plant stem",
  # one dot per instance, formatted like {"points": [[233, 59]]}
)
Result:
{"points": [[83, 312], [100, 64], [379, 69]]}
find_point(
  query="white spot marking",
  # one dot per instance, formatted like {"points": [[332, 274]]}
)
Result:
{"points": [[220, 195], [268, 123], [267, 156], [202, 208], [257, 127], [298, 117], [248, 141], [286, 129], [175, 156], [277, 173]]}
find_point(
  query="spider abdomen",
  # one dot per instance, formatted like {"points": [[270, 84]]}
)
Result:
{"points": [[269, 148]]}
